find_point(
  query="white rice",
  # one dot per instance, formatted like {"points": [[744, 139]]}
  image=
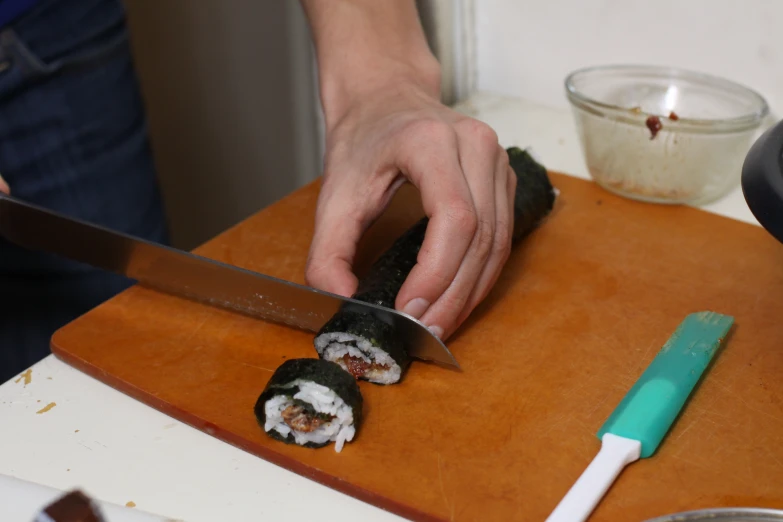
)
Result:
{"points": [[333, 347], [339, 430]]}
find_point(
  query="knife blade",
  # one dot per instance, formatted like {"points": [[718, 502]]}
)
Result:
{"points": [[196, 278]]}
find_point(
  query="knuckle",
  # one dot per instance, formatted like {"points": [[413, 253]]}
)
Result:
{"points": [[436, 276], [462, 218], [485, 237], [448, 308], [432, 273], [502, 243], [312, 276], [503, 231], [433, 270], [478, 131], [317, 266], [313, 271], [454, 305]]}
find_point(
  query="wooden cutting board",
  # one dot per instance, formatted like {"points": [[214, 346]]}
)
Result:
{"points": [[581, 309]]}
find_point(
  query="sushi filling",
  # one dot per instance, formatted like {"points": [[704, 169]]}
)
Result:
{"points": [[301, 418], [310, 413], [358, 357]]}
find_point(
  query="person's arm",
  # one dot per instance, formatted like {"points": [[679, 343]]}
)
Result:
{"points": [[362, 45], [380, 94]]}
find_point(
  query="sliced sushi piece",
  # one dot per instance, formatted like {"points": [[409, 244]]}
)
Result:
{"points": [[364, 346], [369, 348], [310, 402]]}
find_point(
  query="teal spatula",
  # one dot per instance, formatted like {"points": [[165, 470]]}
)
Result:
{"points": [[641, 420]]}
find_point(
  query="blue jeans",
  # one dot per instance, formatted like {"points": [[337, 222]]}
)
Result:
{"points": [[73, 139]]}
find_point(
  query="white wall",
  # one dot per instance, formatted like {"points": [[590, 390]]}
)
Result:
{"points": [[526, 48]]}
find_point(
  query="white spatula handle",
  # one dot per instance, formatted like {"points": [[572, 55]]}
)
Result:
{"points": [[616, 452]]}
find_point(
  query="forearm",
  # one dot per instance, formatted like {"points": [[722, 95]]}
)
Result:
{"points": [[362, 45]]}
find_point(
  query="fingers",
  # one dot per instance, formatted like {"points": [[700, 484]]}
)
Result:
{"points": [[451, 286], [4, 186], [467, 190], [330, 261], [347, 205], [340, 220], [432, 164], [478, 154], [505, 186]]}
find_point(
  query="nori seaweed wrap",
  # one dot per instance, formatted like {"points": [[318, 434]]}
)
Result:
{"points": [[310, 402], [534, 197], [369, 348]]}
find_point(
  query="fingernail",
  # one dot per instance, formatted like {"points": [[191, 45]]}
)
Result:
{"points": [[437, 331], [416, 307]]}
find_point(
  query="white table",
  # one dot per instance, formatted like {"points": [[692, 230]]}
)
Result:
{"points": [[120, 450]]}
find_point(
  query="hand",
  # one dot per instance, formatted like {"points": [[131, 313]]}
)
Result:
{"points": [[399, 133], [379, 86], [4, 186]]}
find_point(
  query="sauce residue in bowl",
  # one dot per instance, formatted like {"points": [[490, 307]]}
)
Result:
{"points": [[654, 124]]}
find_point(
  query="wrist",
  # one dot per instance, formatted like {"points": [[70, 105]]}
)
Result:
{"points": [[342, 86]]}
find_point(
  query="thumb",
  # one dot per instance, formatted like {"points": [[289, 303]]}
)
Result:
{"points": [[332, 251], [4, 186]]}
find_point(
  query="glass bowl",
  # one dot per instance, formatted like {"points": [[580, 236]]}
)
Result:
{"points": [[662, 134], [724, 515]]}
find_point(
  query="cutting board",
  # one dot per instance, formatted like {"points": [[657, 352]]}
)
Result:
{"points": [[582, 307]]}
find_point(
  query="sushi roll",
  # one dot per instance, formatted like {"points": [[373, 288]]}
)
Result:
{"points": [[310, 402], [535, 196], [369, 348], [364, 346]]}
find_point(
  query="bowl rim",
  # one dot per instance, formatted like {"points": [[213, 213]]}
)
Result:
{"points": [[720, 514], [745, 121]]}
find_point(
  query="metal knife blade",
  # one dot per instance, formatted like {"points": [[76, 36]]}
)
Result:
{"points": [[198, 278]]}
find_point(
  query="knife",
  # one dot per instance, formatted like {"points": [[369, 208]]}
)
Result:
{"points": [[200, 279]]}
